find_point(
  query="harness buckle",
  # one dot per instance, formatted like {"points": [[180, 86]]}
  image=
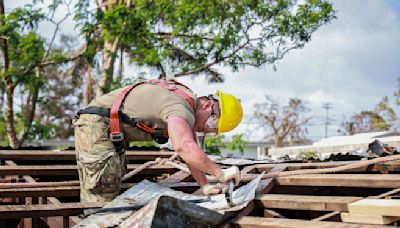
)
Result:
{"points": [[159, 137], [116, 136]]}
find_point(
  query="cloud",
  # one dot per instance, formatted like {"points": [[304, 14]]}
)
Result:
{"points": [[352, 63]]}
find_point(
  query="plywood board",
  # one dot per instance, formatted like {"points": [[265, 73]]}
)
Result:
{"points": [[368, 219], [386, 207]]}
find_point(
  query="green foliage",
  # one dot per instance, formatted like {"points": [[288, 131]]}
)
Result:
{"points": [[385, 110], [365, 121], [28, 57], [3, 131], [121, 82], [213, 144], [40, 130], [25, 46], [308, 154], [189, 37], [237, 143], [143, 143]]}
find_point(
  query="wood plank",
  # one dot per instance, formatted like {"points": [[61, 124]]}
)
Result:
{"points": [[60, 191], [272, 214], [389, 166], [179, 176], [266, 185], [258, 222], [343, 180], [302, 202], [386, 207], [56, 191], [29, 211], [368, 219], [69, 155], [70, 170], [54, 221]]}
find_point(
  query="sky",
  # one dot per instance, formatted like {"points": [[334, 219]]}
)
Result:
{"points": [[350, 63]]}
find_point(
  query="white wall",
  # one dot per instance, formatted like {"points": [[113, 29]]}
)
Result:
{"points": [[255, 151]]}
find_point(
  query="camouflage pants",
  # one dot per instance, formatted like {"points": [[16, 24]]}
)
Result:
{"points": [[100, 167]]}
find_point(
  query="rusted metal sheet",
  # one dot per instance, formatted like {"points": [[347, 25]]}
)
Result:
{"points": [[146, 192], [141, 193]]}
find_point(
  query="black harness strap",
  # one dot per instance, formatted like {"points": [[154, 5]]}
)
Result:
{"points": [[105, 112], [157, 133]]}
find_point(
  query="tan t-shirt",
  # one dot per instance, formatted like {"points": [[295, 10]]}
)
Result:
{"points": [[151, 104]]}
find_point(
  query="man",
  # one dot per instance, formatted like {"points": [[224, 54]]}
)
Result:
{"points": [[149, 110]]}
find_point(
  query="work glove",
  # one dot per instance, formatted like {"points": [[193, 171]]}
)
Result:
{"points": [[231, 173], [213, 189]]}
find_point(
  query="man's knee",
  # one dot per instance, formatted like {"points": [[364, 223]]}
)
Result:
{"points": [[100, 177]]}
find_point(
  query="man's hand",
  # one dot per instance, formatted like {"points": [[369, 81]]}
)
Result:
{"points": [[231, 173], [213, 189]]}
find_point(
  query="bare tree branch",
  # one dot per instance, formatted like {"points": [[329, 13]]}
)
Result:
{"points": [[57, 24], [188, 36], [29, 69]]}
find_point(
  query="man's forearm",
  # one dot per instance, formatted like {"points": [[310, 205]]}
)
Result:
{"points": [[196, 158], [198, 175], [182, 139]]}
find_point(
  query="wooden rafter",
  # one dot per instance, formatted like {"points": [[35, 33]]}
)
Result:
{"points": [[301, 202], [258, 222], [70, 170], [46, 155], [343, 180], [29, 211]]}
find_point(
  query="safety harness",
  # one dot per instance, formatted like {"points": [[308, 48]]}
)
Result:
{"points": [[116, 116]]}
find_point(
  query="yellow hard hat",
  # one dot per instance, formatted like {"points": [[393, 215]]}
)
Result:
{"points": [[230, 112]]}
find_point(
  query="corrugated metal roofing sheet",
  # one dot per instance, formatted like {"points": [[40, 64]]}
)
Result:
{"points": [[146, 192]]}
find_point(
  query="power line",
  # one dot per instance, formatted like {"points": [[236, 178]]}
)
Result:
{"points": [[326, 106]]}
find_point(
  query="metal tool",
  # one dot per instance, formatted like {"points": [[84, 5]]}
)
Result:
{"points": [[229, 193]]}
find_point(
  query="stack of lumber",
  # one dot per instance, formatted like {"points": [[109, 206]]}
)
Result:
{"points": [[373, 211]]}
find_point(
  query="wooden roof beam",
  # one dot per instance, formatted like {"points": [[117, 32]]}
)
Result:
{"points": [[259, 222], [302, 202], [343, 180], [48, 210]]}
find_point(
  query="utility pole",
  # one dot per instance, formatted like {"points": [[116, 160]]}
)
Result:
{"points": [[327, 106]]}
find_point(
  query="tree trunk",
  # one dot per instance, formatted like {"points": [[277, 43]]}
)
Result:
{"points": [[106, 77], [88, 95], [278, 141], [9, 86], [12, 136], [31, 109], [1, 99]]}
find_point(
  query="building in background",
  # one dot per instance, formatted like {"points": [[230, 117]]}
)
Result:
{"points": [[338, 144]]}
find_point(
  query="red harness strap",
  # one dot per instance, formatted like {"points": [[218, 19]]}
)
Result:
{"points": [[115, 126]]}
